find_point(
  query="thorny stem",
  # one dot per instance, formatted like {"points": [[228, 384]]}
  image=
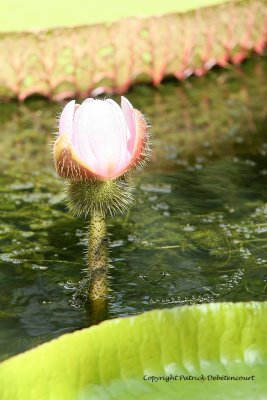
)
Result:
{"points": [[97, 257]]}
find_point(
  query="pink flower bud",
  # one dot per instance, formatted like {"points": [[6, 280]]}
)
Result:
{"points": [[99, 139]]}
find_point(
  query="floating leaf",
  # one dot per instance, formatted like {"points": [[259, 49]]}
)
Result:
{"points": [[118, 358]]}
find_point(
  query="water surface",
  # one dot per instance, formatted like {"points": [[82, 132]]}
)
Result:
{"points": [[196, 233]]}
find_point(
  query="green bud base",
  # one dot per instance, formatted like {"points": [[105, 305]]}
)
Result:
{"points": [[86, 198]]}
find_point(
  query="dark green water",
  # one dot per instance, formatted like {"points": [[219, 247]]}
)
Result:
{"points": [[197, 232]]}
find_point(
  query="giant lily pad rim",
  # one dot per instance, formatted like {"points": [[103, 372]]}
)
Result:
{"points": [[110, 360], [203, 307]]}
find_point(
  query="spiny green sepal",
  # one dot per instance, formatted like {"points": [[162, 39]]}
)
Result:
{"points": [[107, 197]]}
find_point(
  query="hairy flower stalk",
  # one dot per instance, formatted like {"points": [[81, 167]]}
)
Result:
{"points": [[99, 144], [97, 256]]}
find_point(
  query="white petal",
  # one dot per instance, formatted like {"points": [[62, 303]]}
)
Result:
{"points": [[128, 113], [66, 119], [124, 135], [108, 133], [81, 134]]}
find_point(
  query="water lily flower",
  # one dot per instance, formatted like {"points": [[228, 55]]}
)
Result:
{"points": [[99, 139]]}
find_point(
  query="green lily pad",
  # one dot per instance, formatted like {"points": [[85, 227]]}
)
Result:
{"points": [[209, 351], [49, 14]]}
